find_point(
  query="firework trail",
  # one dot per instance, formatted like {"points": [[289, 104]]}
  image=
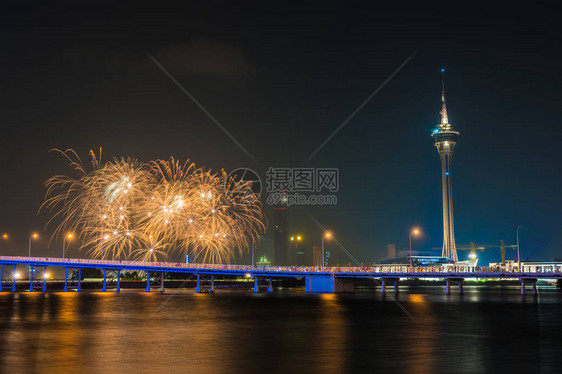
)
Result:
{"points": [[127, 209]]}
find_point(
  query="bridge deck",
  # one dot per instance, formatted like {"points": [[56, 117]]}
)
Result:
{"points": [[282, 271]]}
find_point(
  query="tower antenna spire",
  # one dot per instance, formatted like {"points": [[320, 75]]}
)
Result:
{"points": [[444, 117]]}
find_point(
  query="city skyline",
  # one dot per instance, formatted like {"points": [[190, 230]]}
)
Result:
{"points": [[98, 87]]}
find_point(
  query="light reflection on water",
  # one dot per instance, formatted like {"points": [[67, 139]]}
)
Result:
{"points": [[179, 331]]}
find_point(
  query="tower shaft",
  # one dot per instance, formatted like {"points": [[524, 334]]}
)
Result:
{"points": [[446, 155]]}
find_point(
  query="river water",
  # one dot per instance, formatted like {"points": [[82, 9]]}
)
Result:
{"points": [[421, 331]]}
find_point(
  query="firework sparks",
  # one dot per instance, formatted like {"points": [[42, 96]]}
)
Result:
{"points": [[128, 209]]}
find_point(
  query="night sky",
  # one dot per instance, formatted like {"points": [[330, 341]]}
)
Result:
{"points": [[281, 77]]}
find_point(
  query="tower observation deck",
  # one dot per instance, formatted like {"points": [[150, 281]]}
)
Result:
{"points": [[445, 138]]}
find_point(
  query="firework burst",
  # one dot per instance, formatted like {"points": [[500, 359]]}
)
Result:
{"points": [[129, 209]]}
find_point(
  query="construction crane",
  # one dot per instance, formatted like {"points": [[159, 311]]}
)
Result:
{"points": [[473, 248], [502, 247]]}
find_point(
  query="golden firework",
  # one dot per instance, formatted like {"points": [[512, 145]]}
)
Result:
{"points": [[129, 209]]}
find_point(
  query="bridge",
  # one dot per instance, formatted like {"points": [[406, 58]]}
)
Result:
{"points": [[317, 279]]}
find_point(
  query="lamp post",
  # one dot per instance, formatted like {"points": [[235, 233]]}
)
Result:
{"points": [[518, 255], [414, 231], [327, 235], [33, 236], [69, 237], [253, 249]]}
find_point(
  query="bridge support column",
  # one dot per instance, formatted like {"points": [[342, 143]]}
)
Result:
{"points": [[147, 281], [256, 288], [448, 282], [44, 279], [118, 289], [14, 280], [31, 279], [104, 287], [388, 281], [212, 283], [2, 277], [161, 282], [269, 287], [198, 286], [65, 279], [79, 288], [328, 283], [533, 281]]}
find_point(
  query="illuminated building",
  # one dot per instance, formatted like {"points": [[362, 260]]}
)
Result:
{"points": [[263, 261], [297, 250], [445, 138]]}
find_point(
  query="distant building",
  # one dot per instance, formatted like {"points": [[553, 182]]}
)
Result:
{"points": [[297, 250], [417, 260], [317, 256], [263, 261], [280, 236], [391, 250]]}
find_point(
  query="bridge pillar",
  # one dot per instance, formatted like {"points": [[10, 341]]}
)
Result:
{"points": [[104, 287], [533, 281], [65, 279], [161, 282], [212, 283], [198, 286], [14, 280], [147, 281], [79, 288], [448, 282], [269, 288], [118, 289], [1, 277], [386, 281], [31, 279], [44, 279], [256, 288], [322, 283]]}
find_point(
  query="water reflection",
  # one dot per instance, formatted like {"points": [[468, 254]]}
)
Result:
{"points": [[484, 330]]}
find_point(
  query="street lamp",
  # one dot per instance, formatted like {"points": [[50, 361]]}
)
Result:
{"points": [[68, 236], [327, 235], [415, 231], [5, 236], [518, 256], [33, 236]]}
